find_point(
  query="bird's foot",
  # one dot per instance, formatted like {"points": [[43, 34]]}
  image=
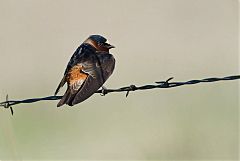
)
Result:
{"points": [[104, 91]]}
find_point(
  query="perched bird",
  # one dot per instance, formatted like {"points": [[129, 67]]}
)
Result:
{"points": [[89, 67]]}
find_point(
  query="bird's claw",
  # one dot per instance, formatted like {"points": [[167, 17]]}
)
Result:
{"points": [[104, 91]]}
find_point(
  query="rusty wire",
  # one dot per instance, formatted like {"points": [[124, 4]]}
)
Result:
{"points": [[127, 89]]}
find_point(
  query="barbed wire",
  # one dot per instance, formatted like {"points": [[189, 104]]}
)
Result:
{"points": [[104, 91]]}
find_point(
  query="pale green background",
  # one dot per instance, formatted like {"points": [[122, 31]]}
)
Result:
{"points": [[155, 40]]}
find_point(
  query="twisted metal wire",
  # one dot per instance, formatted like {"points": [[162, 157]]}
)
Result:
{"points": [[104, 91]]}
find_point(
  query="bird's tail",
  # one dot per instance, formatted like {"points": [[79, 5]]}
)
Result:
{"points": [[67, 98]]}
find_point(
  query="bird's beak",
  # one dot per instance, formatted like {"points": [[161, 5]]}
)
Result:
{"points": [[111, 46], [108, 46]]}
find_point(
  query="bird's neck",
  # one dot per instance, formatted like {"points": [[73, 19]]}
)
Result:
{"points": [[91, 42]]}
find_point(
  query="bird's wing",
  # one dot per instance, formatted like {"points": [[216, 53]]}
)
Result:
{"points": [[85, 74], [98, 69], [83, 80], [80, 55]]}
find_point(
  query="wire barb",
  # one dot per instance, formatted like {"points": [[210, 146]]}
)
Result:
{"points": [[104, 90], [131, 88], [165, 83], [7, 105]]}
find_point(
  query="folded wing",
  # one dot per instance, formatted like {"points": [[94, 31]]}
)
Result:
{"points": [[87, 77], [98, 74]]}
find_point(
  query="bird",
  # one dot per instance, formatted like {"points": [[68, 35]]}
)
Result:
{"points": [[87, 70]]}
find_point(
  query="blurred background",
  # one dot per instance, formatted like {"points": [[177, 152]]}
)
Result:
{"points": [[155, 40]]}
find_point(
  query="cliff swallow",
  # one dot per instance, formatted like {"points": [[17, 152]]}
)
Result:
{"points": [[89, 67]]}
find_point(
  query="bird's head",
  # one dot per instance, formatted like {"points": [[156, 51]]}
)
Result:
{"points": [[99, 42]]}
